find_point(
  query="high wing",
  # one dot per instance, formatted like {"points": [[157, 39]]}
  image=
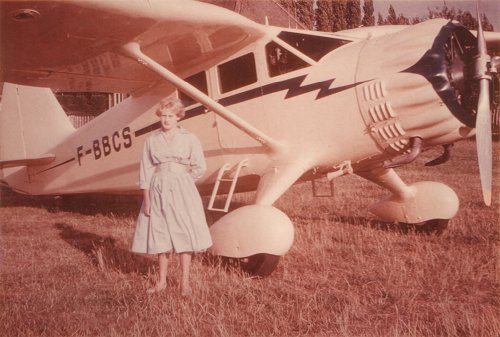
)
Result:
{"points": [[75, 45], [492, 39]]}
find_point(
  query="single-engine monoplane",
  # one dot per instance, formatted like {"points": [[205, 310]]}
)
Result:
{"points": [[271, 106]]}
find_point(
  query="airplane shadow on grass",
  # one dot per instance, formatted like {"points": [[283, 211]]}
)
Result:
{"points": [[104, 252], [91, 204], [107, 256], [129, 205], [87, 204], [434, 226]]}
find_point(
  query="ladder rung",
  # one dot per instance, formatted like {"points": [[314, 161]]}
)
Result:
{"points": [[233, 181]]}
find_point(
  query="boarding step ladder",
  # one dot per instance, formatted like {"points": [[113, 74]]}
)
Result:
{"points": [[222, 177]]}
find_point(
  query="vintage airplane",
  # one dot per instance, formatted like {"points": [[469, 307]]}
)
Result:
{"points": [[271, 106]]}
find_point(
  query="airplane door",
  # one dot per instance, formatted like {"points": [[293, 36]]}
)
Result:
{"points": [[240, 91]]}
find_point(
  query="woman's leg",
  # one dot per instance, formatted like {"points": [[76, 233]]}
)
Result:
{"points": [[162, 280], [186, 265]]}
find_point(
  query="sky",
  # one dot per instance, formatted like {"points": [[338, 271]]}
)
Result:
{"points": [[412, 8]]}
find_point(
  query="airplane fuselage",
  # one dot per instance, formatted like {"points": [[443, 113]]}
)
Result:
{"points": [[358, 104]]}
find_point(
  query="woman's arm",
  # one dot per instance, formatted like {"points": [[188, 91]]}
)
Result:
{"points": [[197, 159], [145, 174], [147, 166]]}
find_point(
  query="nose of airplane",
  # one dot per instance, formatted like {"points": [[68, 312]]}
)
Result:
{"points": [[450, 66], [413, 82], [438, 81]]}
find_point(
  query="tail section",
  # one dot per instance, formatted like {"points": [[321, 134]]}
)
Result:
{"points": [[32, 122]]}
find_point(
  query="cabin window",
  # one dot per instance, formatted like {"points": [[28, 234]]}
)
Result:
{"points": [[312, 45], [237, 73], [199, 81], [281, 61]]}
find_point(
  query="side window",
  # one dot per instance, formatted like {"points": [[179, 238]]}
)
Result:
{"points": [[199, 81], [237, 73], [281, 61]]}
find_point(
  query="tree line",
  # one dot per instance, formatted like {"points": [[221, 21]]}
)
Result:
{"points": [[335, 15]]}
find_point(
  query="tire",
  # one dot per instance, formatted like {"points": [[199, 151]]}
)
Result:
{"points": [[433, 226], [260, 265]]}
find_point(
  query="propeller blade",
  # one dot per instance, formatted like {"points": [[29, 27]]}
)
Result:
{"points": [[481, 42], [483, 117], [483, 140]]}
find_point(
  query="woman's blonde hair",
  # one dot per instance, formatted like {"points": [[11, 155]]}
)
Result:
{"points": [[173, 104]]}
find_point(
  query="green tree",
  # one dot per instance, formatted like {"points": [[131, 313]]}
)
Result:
{"points": [[353, 14], [368, 17], [305, 12], [380, 20], [301, 10], [443, 12], [392, 18], [403, 20], [416, 20], [324, 14], [487, 25], [339, 17], [464, 17]]}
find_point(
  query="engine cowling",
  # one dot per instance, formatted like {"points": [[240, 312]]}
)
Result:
{"points": [[419, 83]]}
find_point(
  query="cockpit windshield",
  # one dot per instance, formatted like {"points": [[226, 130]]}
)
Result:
{"points": [[313, 46], [281, 61]]}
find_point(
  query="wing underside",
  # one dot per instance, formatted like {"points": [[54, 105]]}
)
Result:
{"points": [[75, 45]]}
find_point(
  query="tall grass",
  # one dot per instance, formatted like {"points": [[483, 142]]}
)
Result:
{"points": [[69, 273]]}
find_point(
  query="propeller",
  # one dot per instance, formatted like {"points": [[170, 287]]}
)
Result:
{"points": [[483, 117]]}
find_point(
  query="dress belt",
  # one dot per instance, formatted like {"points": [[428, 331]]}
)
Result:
{"points": [[172, 167]]}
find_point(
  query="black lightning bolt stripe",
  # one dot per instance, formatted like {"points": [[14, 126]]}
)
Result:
{"points": [[293, 85], [147, 129], [60, 164]]}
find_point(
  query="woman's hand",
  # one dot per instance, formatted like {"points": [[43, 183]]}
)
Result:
{"points": [[147, 209], [146, 204]]}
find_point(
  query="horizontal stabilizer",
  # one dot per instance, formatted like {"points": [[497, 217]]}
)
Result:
{"points": [[42, 160]]}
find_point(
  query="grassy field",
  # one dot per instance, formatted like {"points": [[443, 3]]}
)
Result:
{"points": [[69, 273]]}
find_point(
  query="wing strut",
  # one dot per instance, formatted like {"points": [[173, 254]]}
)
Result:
{"points": [[133, 50]]}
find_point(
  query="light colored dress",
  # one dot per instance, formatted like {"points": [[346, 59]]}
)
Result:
{"points": [[177, 219]]}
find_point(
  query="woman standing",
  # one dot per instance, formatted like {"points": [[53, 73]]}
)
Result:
{"points": [[171, 216]]}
